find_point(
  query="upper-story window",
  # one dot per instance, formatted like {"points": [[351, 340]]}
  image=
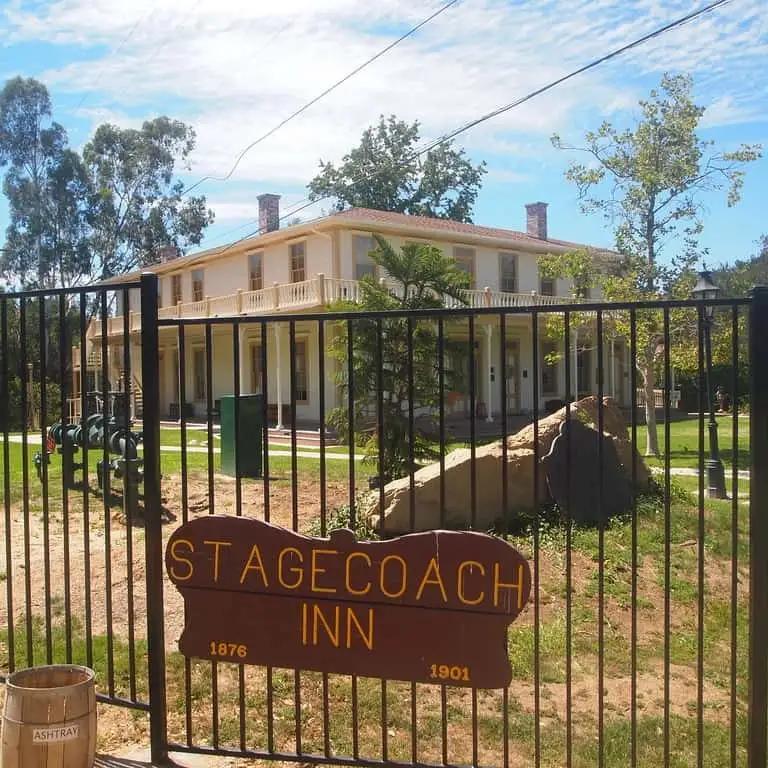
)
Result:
{"points": [[362, 245], [255, 271], [175, 289], [465, 260], [547, 286], [198, 285], [508, 272], [298, 263]]}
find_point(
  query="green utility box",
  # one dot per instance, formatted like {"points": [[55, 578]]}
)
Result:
{"points": [[247, 461]]}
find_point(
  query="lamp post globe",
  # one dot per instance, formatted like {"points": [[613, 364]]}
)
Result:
{"points": [[706, 290]]}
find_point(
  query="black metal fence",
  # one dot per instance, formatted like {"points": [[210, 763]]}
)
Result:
{"points": [[647, 634]]}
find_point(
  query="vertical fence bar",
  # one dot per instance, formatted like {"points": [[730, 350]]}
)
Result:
{"points": [[42, 344], [106, 491], [241, 707], [182, 339], [323, 468], [633, 618], [600, 550], [535, 373], [65, 447], [294, 511], [153, 535], [265, 445], [86, 481], [323, 507], [441, 417], [129, 503], [7, 488], [667, 538], [236, 426], [734, 526], [211, 510], [25, 405], [703, 386], [265, 417], [758, 532], [568, 549]]}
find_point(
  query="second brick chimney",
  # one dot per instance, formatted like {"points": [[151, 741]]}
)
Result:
{"points": [[536, 220], [269, 212]]}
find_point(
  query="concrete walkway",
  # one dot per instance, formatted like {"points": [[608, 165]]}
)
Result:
{"points": [[693, 472], [35, 439]]}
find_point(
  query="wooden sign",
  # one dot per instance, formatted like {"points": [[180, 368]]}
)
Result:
{"points": [[429, 607]]}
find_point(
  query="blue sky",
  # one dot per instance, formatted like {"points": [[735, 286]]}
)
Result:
{"points": [[233, 69]]}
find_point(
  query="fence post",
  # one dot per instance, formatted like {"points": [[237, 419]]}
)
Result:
{"points": [[153, 534], [758, 531]]}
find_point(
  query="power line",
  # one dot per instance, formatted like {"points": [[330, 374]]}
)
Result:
{"points": [[511, 105], [116, 50], [320, 96]]}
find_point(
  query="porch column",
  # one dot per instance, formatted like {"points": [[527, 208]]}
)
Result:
{"points": [[278, 384], [489, 367], [245, 361]]}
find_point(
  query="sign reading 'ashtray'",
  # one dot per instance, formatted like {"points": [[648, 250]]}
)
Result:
{"points": [[429, 607]]}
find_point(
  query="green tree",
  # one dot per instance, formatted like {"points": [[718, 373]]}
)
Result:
{"points": [[47, 191], [739, 278], [419, 277], [383, 172], [649, 180], [138, 207]]}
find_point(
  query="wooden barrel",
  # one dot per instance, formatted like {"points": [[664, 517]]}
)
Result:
{"points": [[50, 718]]}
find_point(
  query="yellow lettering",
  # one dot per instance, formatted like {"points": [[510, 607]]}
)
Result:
{"points": [[433, 567], [460, 585], [255, 556], [217, 545], [403, 576], [303, 623], [366, 638], [498, 584], [315, 570], [283, 553], [318, 618], [350, 588], [175, 556]]}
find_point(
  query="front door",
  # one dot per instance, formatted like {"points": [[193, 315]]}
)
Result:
{"points": [[512, 364]]}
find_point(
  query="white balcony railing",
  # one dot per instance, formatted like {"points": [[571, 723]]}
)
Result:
{"points": [[316, 292]]}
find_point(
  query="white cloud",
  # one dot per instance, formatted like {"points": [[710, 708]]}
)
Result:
{"points": [[235, 69]]}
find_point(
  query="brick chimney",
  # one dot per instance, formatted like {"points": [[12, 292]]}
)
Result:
{"points": [[536, 220], [168, 253], [269, 212]]}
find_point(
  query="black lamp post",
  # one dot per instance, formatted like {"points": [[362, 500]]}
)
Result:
{"points": [[705, 289]]}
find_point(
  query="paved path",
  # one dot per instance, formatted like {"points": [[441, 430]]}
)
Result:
{"points": [[693, 472]]}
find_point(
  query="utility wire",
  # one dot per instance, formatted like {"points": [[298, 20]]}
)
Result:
{"points": [[511, 105], [320, 96]]}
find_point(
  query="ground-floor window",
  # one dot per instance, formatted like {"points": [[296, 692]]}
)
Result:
{"points": [[302, 378], [549, 368]]}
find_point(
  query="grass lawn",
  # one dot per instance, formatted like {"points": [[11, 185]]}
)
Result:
{"points": [[684, 442], [680, 514], [553, 650]]}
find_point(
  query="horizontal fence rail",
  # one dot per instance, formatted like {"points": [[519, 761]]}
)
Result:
{"points": [[634, 647]]}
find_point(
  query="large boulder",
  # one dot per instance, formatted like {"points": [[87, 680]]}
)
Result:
{"points": [[489, 469]]}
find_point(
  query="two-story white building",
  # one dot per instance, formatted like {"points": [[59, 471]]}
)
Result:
{"points": [[306, 267]]}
